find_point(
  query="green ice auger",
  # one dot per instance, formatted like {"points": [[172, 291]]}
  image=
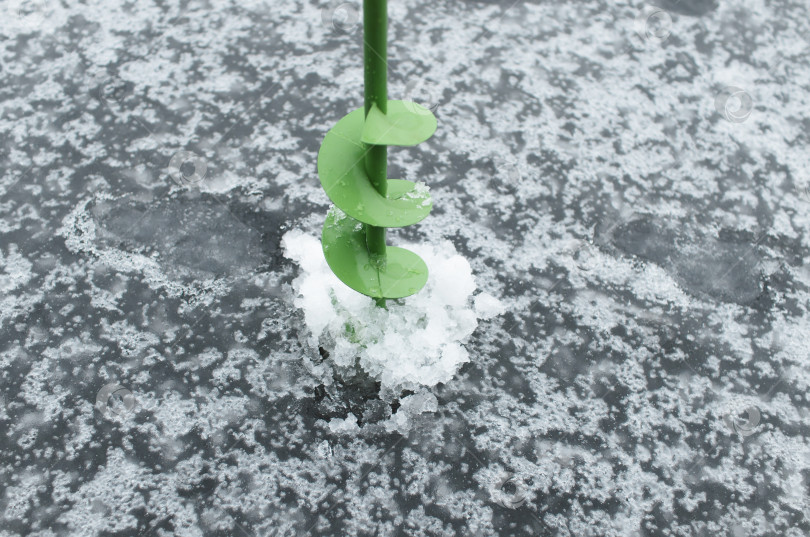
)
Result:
{"points": [[352, 166]]}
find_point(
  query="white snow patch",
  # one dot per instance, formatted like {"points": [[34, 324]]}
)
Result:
{"points": [[416, 342], [348, 425]]}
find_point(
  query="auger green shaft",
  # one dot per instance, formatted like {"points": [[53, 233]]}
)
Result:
{"points": [[352, 167], [375, 73]]}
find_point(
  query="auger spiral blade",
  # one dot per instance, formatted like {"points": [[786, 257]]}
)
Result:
{"points": [[352, 170]]}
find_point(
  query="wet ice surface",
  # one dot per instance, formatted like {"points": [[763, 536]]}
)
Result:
{"points": [[647, 236]]}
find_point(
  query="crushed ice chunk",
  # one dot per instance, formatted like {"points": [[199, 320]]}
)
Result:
{"points": [[324, 450], [416, 342], [348, 425], [487, 306], [339, 215], [411, 406], [421, 192]]}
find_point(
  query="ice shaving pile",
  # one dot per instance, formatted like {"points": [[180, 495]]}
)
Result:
{"points": [[415, 342]]}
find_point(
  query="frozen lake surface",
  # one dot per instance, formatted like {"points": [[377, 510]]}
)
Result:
{"points": [[631, 183]]}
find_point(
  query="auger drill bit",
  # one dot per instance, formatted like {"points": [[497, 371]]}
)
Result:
{"points": [[352, 167]]}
